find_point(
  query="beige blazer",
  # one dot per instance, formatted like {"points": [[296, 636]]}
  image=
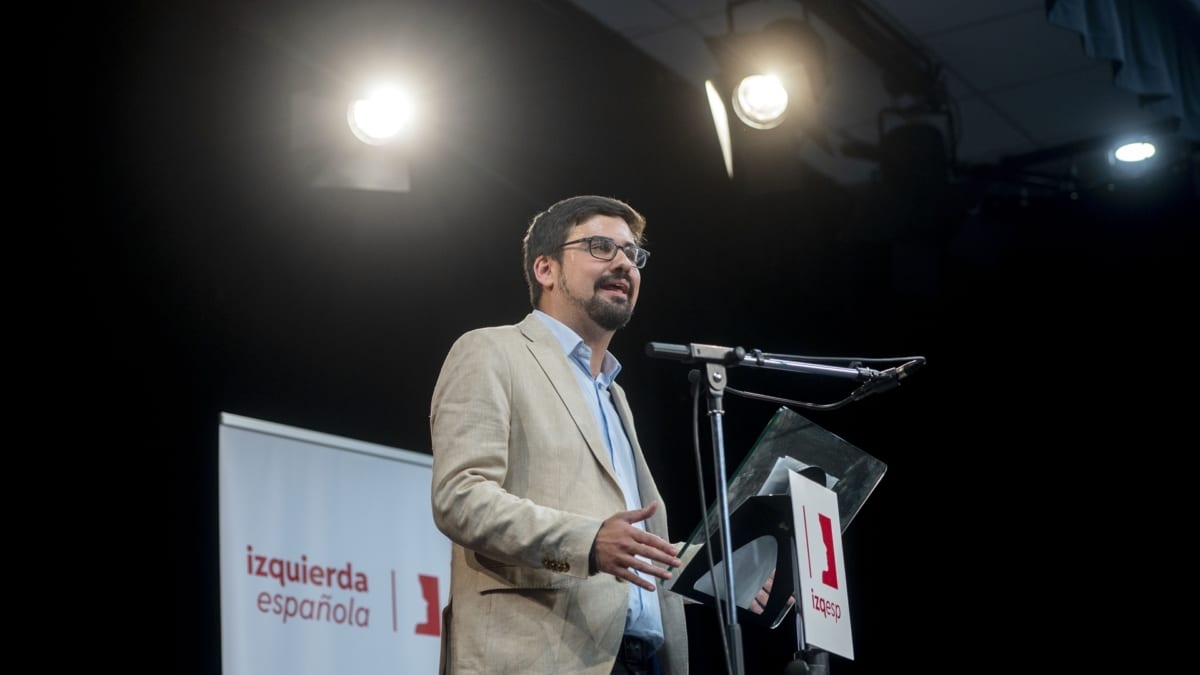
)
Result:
{"points": [[521, 483]]}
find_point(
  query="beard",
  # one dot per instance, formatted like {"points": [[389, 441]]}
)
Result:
{"points": [[607, 314]]}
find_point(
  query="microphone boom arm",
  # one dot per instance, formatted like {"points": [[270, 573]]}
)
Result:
{"points": [[737, 356]]}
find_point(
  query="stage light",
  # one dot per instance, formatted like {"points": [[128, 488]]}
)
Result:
{"points": [[1130, 159], [1134, 152], [386, 115], [372, 154], [772, 74], [771, 80], [760, 101]]}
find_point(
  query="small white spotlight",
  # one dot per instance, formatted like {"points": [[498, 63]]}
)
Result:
{"points": [[760, 101], [382, 117], [1134, 152]]}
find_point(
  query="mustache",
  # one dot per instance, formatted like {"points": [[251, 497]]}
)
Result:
{"points": [[608, 278]]}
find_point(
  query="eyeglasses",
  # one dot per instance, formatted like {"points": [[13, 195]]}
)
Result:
{"points": [[604, 248]]}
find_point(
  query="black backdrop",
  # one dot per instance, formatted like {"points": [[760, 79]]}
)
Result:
{"points": [[215, 280]]}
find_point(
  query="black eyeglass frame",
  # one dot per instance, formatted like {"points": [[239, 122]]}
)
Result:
{"points": [[632, 251]]}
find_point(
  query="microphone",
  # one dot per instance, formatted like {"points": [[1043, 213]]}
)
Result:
{"points": [[730, 356], [897, 373], [664, 350], [888, 379]]}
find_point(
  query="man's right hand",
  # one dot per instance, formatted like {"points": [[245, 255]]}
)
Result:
{"points": [[623, 549]]}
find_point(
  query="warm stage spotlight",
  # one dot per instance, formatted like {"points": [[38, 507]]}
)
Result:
{"points": [[772, 80], [760, 101], [767, 73], [373, 154], [384, 116]]}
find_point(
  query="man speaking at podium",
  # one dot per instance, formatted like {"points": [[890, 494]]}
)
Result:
{"points": [[559, 531]]}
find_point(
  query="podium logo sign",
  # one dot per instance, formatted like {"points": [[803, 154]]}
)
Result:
{"points": [[822, 594]]}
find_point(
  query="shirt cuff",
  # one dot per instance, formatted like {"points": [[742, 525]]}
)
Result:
{"points": [[593, 567]]}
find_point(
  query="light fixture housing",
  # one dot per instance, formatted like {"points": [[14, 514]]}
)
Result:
{"points": [[772, 74], [770, 81]]}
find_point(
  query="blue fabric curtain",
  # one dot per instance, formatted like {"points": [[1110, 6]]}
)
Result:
{"points": [[1154, 46]]}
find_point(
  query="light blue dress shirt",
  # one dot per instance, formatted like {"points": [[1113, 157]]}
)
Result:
{"points": [[644, 617]]}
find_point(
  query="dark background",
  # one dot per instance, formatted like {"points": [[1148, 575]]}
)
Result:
{"points": [[214, 279]]}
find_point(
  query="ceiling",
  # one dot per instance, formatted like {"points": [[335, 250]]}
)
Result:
{"points": [[1022, 92]]}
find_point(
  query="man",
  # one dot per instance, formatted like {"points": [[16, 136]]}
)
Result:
{"points": [[538, 479]]}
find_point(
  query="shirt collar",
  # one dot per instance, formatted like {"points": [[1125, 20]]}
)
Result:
{"points": [[578, 351]]}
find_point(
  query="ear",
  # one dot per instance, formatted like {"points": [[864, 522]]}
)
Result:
{"points": [[545, 270]]}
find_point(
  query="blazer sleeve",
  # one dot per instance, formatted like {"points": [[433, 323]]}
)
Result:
{"points": [[470, 425]]}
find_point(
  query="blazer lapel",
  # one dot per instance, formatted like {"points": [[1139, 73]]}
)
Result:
{"points": [[549, 355]]}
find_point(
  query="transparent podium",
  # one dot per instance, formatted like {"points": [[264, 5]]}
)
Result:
{"points": [[763, 519]]}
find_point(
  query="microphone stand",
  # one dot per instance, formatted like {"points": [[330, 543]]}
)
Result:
{"points": [[715, 360], [714, 375]]}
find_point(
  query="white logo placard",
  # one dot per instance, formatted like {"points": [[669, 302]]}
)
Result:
{"points": [[822, 593]]}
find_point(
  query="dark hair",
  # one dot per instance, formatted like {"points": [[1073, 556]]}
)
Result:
{"points": [[548, 230]]}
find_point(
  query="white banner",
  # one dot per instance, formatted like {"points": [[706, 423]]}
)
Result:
{"points": [[822, 594], [330, 561]]}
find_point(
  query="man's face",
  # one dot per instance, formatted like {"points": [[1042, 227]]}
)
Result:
{"points": [[603, 291]]}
